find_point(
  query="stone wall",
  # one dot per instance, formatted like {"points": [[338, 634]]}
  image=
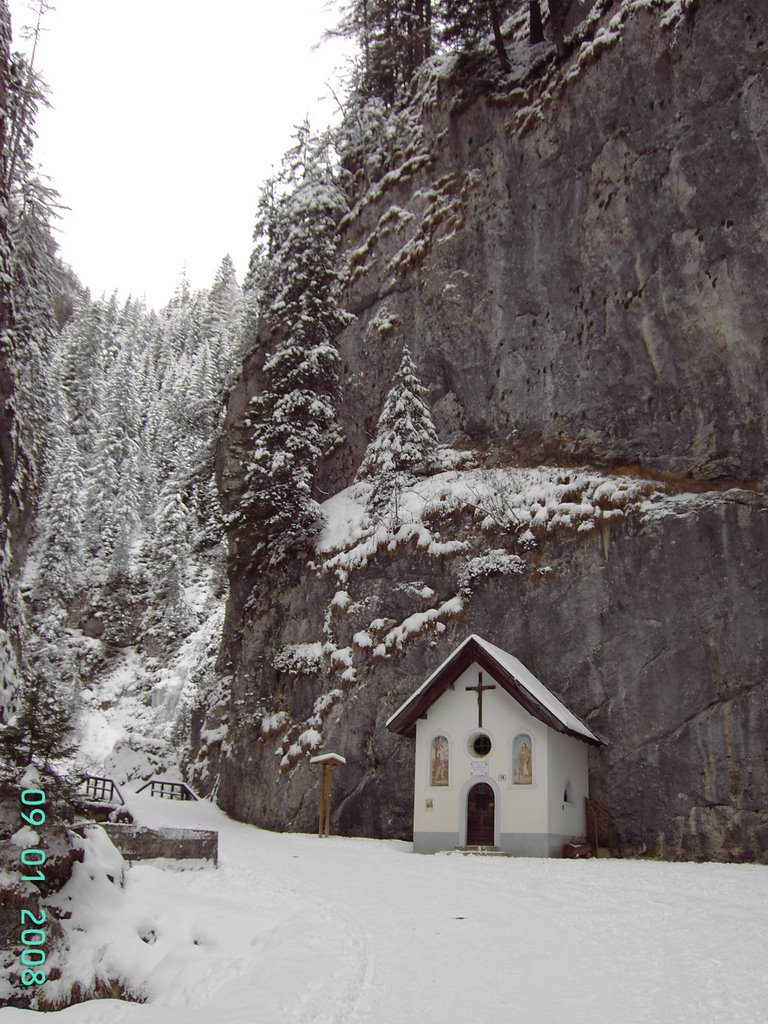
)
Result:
{"points": [[136, 842]]}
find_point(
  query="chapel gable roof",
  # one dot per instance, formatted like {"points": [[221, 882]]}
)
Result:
{"points": [[505, 670]]}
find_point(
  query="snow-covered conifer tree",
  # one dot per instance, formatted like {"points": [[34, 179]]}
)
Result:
{"points": [[170, 556], [293, 415], [405, 443], [41, 730], [60, 522], [223, 322], [394, 37]]}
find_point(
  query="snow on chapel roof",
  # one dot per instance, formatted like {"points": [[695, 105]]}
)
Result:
{"points": [[508, 672]]}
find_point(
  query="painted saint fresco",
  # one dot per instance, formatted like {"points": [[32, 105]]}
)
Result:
{"points": [[439, 772], [522, 761]]}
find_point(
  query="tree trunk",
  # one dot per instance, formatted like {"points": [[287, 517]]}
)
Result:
{"points": [[366, 38], [536, 29], [557, 9], [493, 10]]}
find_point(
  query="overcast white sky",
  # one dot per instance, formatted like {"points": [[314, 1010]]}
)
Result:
{"points": [[167, 115]]}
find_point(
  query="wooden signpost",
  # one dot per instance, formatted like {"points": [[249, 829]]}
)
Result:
{"points": [[328, 763]]}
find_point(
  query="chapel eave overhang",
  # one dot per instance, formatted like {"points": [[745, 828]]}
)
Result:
{"points": [[473, 649]]}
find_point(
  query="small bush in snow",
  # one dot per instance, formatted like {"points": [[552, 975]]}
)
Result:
{"points": [[495, 563], [298, 659]]}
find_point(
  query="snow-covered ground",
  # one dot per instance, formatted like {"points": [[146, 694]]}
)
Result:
{"points": [[290, 928]]}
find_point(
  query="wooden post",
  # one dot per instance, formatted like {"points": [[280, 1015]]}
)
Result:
{"points": [[325, 801], [328, 762]]}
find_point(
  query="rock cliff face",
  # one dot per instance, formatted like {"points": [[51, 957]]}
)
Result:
{"points": [[580, 275], [577, 265]]}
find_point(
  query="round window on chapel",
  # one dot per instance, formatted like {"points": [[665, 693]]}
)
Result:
{"points": [[481, 745]]}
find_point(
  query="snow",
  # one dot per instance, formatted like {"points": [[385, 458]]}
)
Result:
{"points": [[310, 738], [681, 505], [342, 656], [362, 639], [416, 624], [299, 659], [25, 837], [98, 735], [273, 723], [211, 736], [546, 497], [293, 928], [128, 710], [329, 758]]}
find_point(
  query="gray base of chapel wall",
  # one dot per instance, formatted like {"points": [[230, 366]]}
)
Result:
{"points": [[533, 844], [434, 842], [516, 844]]}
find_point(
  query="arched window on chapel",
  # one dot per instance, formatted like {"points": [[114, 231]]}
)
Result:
{"points": [[439, 761], [522, 760]]}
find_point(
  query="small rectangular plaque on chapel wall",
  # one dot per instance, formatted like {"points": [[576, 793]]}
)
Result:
{"points": [[478, 768]]}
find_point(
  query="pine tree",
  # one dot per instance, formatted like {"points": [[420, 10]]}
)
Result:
{"points": [[114, 497], [405, 443], [35, 281], [170, 558], [467, 21], [60, 521], [41, 730], [79, 364], [395, 37], [33, 206], [224, 323], [8, 445], [293, 415], [358, 138]]}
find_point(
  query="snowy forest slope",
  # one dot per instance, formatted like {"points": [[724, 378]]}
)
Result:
{"points": [[113, 564]]}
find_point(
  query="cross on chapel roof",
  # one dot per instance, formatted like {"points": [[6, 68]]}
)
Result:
{"points": [[509, 673]]}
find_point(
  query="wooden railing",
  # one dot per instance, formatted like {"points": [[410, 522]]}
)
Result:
{"points": [[101, 790], [168, 790]]}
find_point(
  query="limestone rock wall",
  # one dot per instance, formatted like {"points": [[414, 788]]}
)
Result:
{"points": [[589, 284], [652, 629], [578, 266]]}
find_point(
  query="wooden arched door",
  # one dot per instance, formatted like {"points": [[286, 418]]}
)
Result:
{"points": [[481, 815]]}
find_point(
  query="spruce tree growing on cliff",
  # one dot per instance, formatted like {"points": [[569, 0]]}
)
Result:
{"points": [[466, 21], [405, 444], [395, 37], [293, 418]]}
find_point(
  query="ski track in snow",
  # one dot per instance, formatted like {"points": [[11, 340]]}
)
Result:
{"points": [[291, 929]]}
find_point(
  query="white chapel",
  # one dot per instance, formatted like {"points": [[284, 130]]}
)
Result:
{"points": [[500, 760]]}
